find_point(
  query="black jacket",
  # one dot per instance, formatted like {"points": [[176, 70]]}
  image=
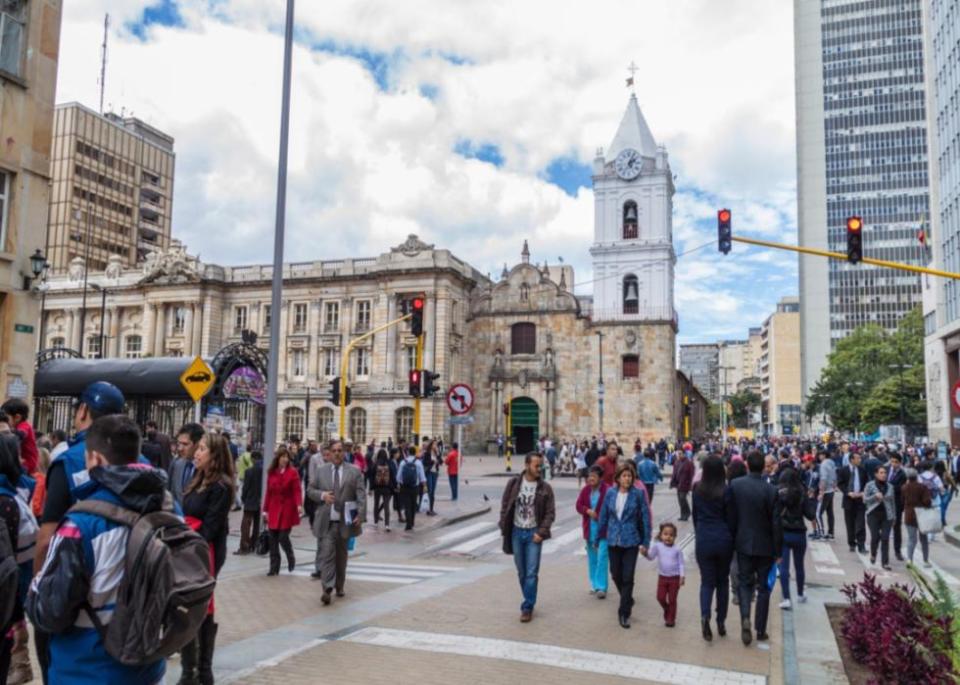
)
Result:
{"points": [[897, 480], [752, 517], [845, 484], [252, 485]]}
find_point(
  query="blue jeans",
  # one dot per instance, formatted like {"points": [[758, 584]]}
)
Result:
{"points": [[944, 503], [598, 564], [526, 555], [796, 543], [431, 487], [453, 488]]}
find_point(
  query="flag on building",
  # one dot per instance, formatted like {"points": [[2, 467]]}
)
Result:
{"points": [[923, 233]]}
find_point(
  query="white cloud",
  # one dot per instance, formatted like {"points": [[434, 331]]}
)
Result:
{"points": [[541, 80]]}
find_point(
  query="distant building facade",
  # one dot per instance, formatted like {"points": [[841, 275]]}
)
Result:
{"points": [[780, 406], [701, 364]]}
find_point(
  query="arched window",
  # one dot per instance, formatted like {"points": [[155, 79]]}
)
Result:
{"points": [[630, 230], [292, 422], [324, 420], [404, 424], [631, 295], [523, 338], [133, 348], [524, 292], [358, 426], [631, 366]]}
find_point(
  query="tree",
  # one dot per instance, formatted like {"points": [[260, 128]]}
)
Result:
{"points": [[742, 403], [713, 416], [883, 406]]}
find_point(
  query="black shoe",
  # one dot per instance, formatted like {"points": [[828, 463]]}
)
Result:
{"points": [[325, 598], [207, 640], [887, 567], [189, 658], [745, 633], [862, 550], [624, 621], [316, 575], [705, 627], [899, 556], [762, 637], [340, 593], [291, 563], [853, 549], [873, 560], [271, 572], [721, 629]]}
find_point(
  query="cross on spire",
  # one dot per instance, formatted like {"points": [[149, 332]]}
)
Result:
{"points": [[633, 69]]}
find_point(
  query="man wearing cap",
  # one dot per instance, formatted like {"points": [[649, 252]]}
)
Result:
{"points": [[68, 480]]}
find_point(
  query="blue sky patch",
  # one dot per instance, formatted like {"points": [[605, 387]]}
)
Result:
{"points": [[163, 13], [569, 174], [429, 91], [485, 152], [377, 63]]}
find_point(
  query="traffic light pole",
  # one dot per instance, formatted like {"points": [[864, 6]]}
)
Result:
{"points": [[416, 400], [345, 367], [843, 257]]}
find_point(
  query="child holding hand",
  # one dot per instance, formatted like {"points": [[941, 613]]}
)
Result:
{"points": [[670, 563]]}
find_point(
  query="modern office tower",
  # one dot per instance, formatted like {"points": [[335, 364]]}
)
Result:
{"points": [[112, 189], [780, 369], [942, 296], [701, 364], [861, 150]]}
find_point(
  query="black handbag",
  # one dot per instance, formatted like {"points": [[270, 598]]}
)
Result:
{"points": [[809, 508], [263, 544]]}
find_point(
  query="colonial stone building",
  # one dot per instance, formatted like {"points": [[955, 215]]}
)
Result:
{"points": [[562, 365]]}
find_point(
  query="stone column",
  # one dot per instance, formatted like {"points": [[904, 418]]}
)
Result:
{"points": [[188, 329], [282, 342], [148, 332], [114, 332], [73, 330], [393, 339], [196, 328], [494, 408], [107, 325], [160, 329]]}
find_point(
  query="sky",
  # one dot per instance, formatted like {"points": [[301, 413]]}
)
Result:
{"points": [[471, 124]]}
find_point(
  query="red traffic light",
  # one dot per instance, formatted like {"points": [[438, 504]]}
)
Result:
{"points": [[854, 223], [418, 303], [724, 215], [414, 376]]}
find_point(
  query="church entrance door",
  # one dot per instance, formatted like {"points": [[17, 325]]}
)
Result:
{"points": [[525, 416]]}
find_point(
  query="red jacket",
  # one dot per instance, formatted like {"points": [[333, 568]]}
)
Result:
{"points": [[683, 472], [453, 463], [609, 467], [283, 499], [583, 503]]}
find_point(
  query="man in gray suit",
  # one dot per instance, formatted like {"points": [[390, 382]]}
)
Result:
{"points": [[181, 469], [338, 489]]}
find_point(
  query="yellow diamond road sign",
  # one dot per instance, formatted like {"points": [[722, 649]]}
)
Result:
{"points": [[197, 379]]}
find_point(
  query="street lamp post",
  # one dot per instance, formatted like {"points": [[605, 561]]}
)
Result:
{"points": [[103, 315], [86, 270], [600, 390]]}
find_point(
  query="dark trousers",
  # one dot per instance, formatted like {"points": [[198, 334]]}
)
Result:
{"points": [[249, 530], [41, 641], [795, 543], [408, 502], [667, 589], [754, 572], [398, 505], [714, 564], [825, 510], [278, 539], [650, 487], [898, 532], [879, 534], [381, 500], [453, 488], [623, 566], [684, 505], [6, 648], [853, 517]]}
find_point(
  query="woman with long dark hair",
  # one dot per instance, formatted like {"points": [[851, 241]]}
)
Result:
{"points": [[206, 507], [788, 510], [714, 542], [383, 482], [13, 633], [282, 508], [879, 502]]}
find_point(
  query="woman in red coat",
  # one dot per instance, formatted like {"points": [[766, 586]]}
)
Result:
{"points": [[282, 508]]}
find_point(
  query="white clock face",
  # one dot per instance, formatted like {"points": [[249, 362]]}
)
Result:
{"points": [[628, 164]]}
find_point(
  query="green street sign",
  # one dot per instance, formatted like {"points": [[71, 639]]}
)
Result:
{"points": [[22, 328]]}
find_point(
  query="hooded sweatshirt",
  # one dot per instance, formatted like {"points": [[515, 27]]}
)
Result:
{"points": [[85, 565]]}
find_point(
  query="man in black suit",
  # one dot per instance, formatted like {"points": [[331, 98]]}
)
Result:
{"points": [[757, 538], [896, 478], [852, 480]]}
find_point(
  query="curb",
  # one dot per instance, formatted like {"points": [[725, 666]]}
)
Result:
{"points": [[460, 518], [952, 537]]}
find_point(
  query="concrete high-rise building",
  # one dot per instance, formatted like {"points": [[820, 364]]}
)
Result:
{"points": [[29, 50], [942, 296], [112, 189], [780, 369], [701, 364], [861, 150]]}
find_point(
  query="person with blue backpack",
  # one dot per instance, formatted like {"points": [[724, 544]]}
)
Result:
{"points": [[411, 478]]}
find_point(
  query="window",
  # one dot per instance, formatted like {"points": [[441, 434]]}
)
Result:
{"points": [[403, 430], [179, 320], [358, 426], [5, 183], [58, 343], [13, 31], [324, 421], [629, 220], [331, 317], [631, 366], [524, 292], [411, 354], [331, 362], [363, 315], [631, 295], [133, 347], [523, 338], [298, 363], [239, 319], [292, 422], [266, 319], [93, 347], [363, 362], [300, 317]]}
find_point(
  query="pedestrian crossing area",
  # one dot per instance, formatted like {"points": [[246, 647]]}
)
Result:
{"points": [[479, 539], [393, 574]]}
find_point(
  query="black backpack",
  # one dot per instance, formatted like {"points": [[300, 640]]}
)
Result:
{"points": [[381, 478], [166, 588], [9, 578]]}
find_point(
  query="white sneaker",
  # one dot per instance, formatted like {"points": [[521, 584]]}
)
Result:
{"points": [[802, 599], [927, 564], [785, 604]]}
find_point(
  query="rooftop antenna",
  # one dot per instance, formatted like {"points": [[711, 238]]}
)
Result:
{"points": [[103, 59]]}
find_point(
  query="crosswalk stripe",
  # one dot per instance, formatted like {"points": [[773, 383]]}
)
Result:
{"points": [[584, 661], [404, 567], [476, 543], [553, 545], [465, 532], [396, 574]]}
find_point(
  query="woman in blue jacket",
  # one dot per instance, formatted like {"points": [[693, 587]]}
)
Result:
{"points": [[626, 518]]}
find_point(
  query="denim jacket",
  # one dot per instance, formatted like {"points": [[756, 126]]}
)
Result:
{"points": [[633, 529]]}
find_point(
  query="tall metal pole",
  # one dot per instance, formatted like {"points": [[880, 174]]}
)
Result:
{"points": [[103, 315], [86, 270], [600, 390], [273, 362]]}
